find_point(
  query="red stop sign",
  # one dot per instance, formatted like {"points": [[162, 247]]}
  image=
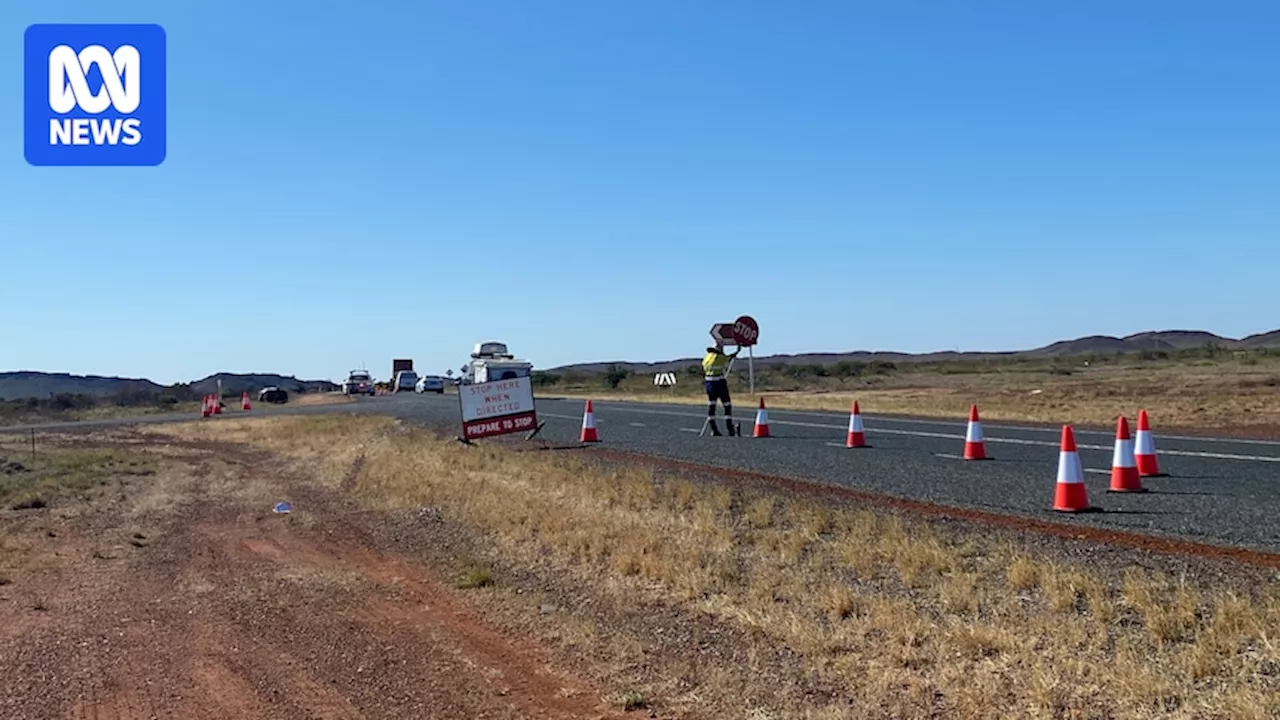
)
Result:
{"points": [[746, 331]]}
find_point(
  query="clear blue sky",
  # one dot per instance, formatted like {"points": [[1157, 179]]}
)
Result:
{"points": [[586, 180]]}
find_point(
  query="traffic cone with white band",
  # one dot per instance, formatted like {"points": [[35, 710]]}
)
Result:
{"points": [[1124, 468], [206, 407], [244, 401], [1071, 494], [589, 433], [975, 447], [762, 421], [1145, 453], [857, 436]]}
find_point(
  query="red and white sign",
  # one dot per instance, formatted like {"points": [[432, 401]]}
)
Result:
{"points": [[723, 333], [746, 331], [497, 408]]}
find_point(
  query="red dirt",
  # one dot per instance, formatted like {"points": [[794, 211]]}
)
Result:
{"points": [[218, 613]]}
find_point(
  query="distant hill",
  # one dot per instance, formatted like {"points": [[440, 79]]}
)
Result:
{"points": [[17, 385], [1165, 340], [27, 384]]}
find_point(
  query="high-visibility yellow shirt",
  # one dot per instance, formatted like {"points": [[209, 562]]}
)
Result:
{"points": [[714, 365]]}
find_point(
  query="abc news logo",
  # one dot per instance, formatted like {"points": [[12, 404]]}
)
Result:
{"points": [[69, 88], [94, 94]]}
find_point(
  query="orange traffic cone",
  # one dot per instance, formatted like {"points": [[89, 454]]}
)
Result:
{"points": [[762, 421], [1145, 453], [244, 402], [206, 408], [1124, 468], [589, 433], [975, 447], [1071, 494], [857, 436], [217, 403]]}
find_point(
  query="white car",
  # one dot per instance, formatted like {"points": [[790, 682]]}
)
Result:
{"points": [[405, 380], [430, 383]]}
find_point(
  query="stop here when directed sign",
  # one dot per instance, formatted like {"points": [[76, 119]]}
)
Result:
{"points": [[497, 408]]}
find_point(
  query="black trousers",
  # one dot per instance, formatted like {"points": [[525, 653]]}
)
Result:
{"points": [[718, 390]]}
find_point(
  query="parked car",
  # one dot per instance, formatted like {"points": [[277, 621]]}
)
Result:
{"points": [[273, 395], [430, 383], [359, 382], [404, 380]]}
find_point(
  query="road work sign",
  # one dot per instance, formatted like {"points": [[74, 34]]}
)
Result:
{"points": [[723, 333], [744, 333], [497, 408]]}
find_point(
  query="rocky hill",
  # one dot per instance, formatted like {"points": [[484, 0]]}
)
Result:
{"points": [[27, 384], [1164, 340]]}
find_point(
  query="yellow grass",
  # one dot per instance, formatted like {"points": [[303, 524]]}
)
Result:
{"points": [[1210, 395], [908, 622]]}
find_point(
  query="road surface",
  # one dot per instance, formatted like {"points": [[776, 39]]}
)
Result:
{"points": [[1220, 491]]}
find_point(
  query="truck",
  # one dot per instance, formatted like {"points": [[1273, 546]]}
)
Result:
{"points": [[400, 365], [492, 361]]}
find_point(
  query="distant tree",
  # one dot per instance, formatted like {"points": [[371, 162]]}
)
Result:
{"points": [[614, 375], [848, 369], [545, 379]]}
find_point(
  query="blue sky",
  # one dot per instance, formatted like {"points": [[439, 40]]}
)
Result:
{"points": [[605, 180]]}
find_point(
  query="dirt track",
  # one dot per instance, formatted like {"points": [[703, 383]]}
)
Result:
{"points": [[194, 607]]}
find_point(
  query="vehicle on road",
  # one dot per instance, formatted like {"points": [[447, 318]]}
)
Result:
{"points": [[492, 361], [273, 395], [430, 383], [404, 380], [359, 382]]}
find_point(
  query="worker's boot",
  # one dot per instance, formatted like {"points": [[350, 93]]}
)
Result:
{"points": [[715, 429], [731, 426]]}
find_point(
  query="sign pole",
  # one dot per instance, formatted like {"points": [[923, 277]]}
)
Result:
{"points": [[751, 369]]}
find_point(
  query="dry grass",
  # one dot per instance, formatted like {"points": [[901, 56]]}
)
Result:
{"points": [[59, 471], [908, 622], [1211, 395]]}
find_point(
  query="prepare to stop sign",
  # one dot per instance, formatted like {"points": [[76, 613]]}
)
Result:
{"points": [[497, 408]]}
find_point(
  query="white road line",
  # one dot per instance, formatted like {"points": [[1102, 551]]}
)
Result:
{"points": [[692, 430], [1002, 426], [565, 417], [636, 424], [988, 438], [1096, 470]]}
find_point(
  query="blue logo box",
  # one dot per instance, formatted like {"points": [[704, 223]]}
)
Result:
{"points": [[94, 95]]}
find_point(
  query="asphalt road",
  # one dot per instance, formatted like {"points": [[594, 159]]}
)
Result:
{"points": [[1220, 491]]}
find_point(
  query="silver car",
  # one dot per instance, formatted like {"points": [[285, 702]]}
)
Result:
{"points": [[359, 382]]}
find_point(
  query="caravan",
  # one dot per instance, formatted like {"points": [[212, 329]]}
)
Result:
{"points": [[491, 361]]}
